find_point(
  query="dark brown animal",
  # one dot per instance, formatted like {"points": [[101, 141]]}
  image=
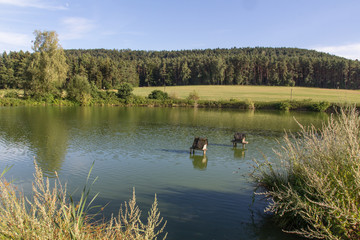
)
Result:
{"points": [[239, 138], [199, 144]]}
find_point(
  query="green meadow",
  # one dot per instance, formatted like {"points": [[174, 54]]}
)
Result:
{"points": [[257, 93]]}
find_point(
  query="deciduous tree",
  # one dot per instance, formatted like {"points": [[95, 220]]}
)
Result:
{"points": [[47, 70]]}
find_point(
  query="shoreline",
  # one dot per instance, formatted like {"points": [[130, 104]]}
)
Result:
{"points": [[294, 105]]}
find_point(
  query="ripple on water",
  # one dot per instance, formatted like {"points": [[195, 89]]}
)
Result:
{"points": [[14, 153], [149, 149]]}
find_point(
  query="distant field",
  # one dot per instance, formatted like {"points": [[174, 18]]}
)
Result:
{"points": [[258, 93]]}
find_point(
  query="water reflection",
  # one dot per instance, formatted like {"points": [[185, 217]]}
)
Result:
{"points": [[42, 131], [201, 214], [220, 145], [174, 151], [239, 152], [148, 148], [199, 162]]}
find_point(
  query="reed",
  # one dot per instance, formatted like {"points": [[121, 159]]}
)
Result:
{"points": [[49, 214], [314, 191]]}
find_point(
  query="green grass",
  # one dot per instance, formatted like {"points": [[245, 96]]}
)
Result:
{"points": [[240, 97], [258, 93], [314, 188]]}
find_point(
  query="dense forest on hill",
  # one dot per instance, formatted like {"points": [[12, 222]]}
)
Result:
{"points": [[107, 69]]}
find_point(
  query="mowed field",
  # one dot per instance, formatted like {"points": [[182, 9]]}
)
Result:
{"points": [[257, 93]]}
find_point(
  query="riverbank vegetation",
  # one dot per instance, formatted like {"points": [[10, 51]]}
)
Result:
{"points": [[53, 214], [237, 97], [314, 190]]}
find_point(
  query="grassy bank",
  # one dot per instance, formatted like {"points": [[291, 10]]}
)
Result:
{"points": [[314, 190], [239, 97], [52, 214]]}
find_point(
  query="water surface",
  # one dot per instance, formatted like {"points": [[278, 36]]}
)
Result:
{"points": [[201, 197]]}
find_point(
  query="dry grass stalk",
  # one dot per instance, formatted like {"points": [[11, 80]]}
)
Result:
{"points": [[49, 215], [315, 192]]}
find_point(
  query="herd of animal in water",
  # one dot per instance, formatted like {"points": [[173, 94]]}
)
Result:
{"points": [[202, 143]]}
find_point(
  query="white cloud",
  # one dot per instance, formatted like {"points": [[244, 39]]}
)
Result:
{"points": [[50, 5], [14, 41], [351, 51], [76, 28]]}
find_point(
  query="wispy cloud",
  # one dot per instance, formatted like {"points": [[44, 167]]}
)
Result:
{"points": [[76, 27], [132, 33], [14, 39], [351, 51], [49, 5]]}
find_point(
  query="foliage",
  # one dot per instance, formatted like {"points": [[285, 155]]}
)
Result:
{"points": [[158, 94], [193, 96], [125, 90], [320, 106], [136, 100], [235, 66], [11, 94], [110, 98], [47, 69], [79, 89], [249, 104], [314, 190], [284, 106], [49, 215], [107, 69]]}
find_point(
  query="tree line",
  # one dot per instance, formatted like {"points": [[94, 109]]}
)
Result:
{"points": [[108, 69]]}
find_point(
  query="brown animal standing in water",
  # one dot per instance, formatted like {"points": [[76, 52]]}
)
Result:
{"points": [[239, 138], [199, 144]]}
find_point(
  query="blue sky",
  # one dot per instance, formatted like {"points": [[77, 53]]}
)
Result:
{"points": [[325, 25]]}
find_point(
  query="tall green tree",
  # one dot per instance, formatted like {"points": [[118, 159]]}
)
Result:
{"points": [[47, 71], [185, 73]]}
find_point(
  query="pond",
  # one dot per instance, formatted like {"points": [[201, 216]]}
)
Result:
{"points": [[201, 197]]}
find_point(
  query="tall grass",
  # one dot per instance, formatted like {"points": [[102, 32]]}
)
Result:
{"points": [[49, 214], [315, 189]]}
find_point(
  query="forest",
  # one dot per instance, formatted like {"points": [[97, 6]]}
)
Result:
{"points": [[108, 69]]}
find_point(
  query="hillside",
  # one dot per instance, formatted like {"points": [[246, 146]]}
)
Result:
{"points": [[236, 66]]}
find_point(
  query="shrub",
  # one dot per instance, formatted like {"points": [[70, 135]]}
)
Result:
{"points": [[314, 191], [107, 95], [51, 215], [320, 106], [79, 89], [136, 100], [11, 94], [284, 106], [249, 104], [94, 90], [125, 90], [158, 94], [193, 96]]}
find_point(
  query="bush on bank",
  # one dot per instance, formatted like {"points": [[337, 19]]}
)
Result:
{"points": [[314, 190], [91, 96]]}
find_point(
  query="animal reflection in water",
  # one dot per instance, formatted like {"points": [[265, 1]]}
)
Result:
{"points": [[199, 162], [239, 152]]}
